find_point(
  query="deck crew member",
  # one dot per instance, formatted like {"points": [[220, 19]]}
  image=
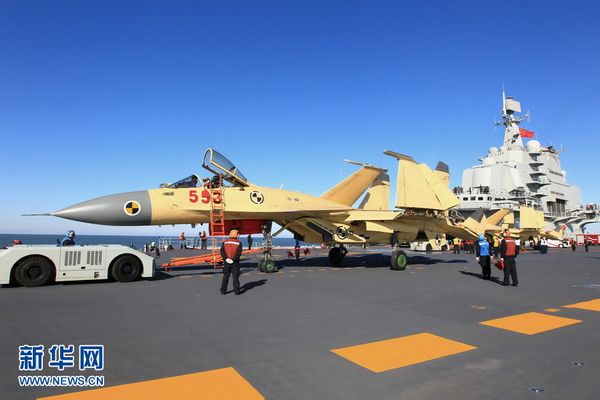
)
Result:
{"points": [[543, 246], [509, 250], [496, 246], [231, 251], [68, 240], [182, 242], [250, 241], [203, 240], [456, 247], [482, 252]]}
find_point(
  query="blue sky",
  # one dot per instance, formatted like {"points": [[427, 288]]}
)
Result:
{"points": [[101, 97]]}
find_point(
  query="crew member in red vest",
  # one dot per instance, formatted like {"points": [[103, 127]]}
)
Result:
{"points": [[231, 251], [509, 250]]}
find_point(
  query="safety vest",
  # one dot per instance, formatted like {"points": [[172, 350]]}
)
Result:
{"points": [[456, 241], [511, 247], [182, 237], [484, 248], [231, 247]]}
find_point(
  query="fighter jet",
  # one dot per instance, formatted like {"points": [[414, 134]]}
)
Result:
{"points": [[421, 206], [525, 223]]}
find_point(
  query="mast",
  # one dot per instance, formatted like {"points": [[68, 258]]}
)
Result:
{"points": [[512, 135]]}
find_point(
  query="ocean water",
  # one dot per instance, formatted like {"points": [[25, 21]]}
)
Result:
{"points": [[134, 241]]}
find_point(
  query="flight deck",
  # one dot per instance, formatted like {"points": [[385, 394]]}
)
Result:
{"points": [[311, 331]]}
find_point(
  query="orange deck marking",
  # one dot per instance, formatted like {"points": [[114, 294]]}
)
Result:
{"points": [[592, 305], [400, 352], [223, 383], [552, 309], [530, 323]]}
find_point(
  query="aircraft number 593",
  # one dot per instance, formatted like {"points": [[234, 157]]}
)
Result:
{"points": [[204, 196]]}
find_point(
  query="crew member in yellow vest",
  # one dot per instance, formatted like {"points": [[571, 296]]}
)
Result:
{"points": [[456, 245]]}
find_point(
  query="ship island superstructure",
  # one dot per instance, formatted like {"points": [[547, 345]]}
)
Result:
{"points": [[524, 174]]}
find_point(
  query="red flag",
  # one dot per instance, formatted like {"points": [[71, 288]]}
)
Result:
{"points": [[526, 134]]}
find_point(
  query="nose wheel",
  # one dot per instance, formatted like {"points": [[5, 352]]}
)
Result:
{"points": [[267, 263]]}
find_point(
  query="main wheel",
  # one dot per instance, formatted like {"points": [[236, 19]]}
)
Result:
{"points": [[260, 266], [399, 260], [335, 256], [35, 271], [127, 268], [269, 266]]}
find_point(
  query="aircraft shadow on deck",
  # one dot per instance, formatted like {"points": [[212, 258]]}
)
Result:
{"points": [[367, 260]]}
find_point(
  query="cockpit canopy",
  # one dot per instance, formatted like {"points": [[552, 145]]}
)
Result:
{"points": [[217, 163], [189, 182]]}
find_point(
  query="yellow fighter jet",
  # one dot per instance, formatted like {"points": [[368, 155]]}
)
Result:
{"points": [[525, 223], [229, 201]]}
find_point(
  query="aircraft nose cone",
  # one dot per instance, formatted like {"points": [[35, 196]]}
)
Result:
{"points": [[131, 208]]}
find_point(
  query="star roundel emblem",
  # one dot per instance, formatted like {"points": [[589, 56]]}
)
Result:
{"points": [[132, 208], [341, 232], [257, 197]]}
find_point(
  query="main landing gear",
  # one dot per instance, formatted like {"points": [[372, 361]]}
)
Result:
{"points": [[399, 260], [336, 255]]}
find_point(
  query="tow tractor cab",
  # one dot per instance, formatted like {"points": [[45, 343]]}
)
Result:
{"points": [[37, 265]]}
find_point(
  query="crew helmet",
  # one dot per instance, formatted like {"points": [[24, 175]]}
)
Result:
{"points": [[71, 234], [481, 237]]}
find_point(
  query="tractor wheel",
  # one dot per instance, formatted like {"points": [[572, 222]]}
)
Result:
{"points": [[35, 271], [126, 268]]}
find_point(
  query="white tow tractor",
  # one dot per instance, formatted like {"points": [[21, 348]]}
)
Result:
{"points": [[37, 265]]}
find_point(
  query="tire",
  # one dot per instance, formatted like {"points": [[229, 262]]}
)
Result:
{"points": [[445, 247], [35, 271], [260, 265], [269, 266], [429, 248], [335, 256], [127, 268], [399, 260]]}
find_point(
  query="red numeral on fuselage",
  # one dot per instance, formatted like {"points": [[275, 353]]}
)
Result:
{"points": [[216, 196]]}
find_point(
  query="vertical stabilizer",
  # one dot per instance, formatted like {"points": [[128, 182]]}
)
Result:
{"points": [[442, 171], [350, 189], [531, 219], [419, 187], [378, 194]]}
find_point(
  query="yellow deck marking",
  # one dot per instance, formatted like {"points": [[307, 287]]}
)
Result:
{"points": [[294, 271], [309, 270], [552, 309], [400, 352], [530, 323], [184, 277], [206, 276], [592, 305], [224, 383], [322, 269]]}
